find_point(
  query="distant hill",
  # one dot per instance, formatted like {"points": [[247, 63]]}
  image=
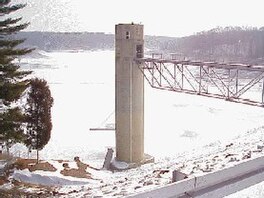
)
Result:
{"points": [[241, 44], [67, 41], [244, 44], [81, 41]]}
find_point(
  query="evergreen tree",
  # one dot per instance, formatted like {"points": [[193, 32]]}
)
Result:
{"points": [[38, 114], [10, 127], [12, 78]]}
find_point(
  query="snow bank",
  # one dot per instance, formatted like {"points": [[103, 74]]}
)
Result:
{"points": [[33, 178], [119, 165]]}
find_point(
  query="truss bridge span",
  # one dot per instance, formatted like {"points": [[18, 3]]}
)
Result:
{"points": [[233, 82]]}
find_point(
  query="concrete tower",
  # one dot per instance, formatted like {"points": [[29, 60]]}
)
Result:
{"points": [[129, 93]]}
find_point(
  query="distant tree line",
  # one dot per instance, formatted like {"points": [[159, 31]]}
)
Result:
{"points": [[82, 41], [67, 41], [221, 43], [229, 43]]}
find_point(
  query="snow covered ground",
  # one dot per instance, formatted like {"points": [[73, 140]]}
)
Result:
{"points": [[200, 161], [190, 133]]}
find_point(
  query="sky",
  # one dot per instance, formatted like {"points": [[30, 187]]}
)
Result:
{"points": [[162, 18]]}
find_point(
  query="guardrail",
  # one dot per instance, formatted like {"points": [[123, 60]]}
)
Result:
{"points": [[216, 184]]}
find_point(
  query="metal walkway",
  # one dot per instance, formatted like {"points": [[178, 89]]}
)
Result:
{"points": [[230, 81]]}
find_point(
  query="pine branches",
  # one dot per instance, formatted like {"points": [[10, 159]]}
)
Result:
{"points": [[11, 127], [9, 21], [10, 43], [12, 29], [5, 9], [12, 79]]}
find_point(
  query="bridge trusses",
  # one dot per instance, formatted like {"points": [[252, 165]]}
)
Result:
{"points": [[233, 82]]}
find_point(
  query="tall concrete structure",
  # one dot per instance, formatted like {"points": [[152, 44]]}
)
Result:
{"points": [[129, 84]]}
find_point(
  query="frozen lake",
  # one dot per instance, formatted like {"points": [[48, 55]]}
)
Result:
{"points": [[82, 84], [178, 127]]}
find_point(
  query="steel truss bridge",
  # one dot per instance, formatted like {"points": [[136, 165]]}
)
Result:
{"points": [[233, 82]]}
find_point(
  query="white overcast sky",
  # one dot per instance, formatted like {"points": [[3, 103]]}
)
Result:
{"points": [[163, 18]]}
